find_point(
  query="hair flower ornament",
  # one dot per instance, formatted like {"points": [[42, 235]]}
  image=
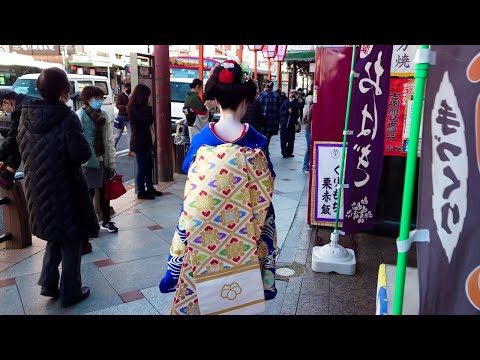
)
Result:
{"points": [[228, 64], [247, 74]]}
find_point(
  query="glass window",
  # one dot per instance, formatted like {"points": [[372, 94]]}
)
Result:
{"points": [[187, 73], [72, 87], [26, 86], [184, 73], [82, 84], [102, 85], [178, 91]]}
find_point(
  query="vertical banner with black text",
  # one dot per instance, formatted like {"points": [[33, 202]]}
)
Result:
{"points": [[449, 197]]}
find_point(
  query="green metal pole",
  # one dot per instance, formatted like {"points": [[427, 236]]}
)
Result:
{"points": [[421, 73], [347, 115]]}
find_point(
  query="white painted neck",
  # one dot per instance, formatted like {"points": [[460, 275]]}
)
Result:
{"points": [[230, 127]]}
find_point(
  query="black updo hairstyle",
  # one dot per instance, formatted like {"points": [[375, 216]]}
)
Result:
{"points": [[229, 85]]}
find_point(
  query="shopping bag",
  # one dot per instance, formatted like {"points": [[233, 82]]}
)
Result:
{"points": [[298, 127], [118, 123], [114, 187]]}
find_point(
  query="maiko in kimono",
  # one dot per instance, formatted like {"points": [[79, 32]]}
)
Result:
{"points": [[223, 254]]}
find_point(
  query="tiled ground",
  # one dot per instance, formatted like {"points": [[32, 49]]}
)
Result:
{"points": [[124, 269]]}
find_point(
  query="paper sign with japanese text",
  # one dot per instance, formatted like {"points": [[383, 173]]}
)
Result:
{"points": [[326, 176]]}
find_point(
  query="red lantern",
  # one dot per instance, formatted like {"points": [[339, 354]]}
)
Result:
{"points": [[281, 53], [269, 51], [255, 47]]}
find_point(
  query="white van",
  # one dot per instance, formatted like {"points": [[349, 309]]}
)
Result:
{"points": [[179, 88], [26, 85]]}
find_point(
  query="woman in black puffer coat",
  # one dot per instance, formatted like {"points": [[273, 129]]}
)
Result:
{"points": [[53, 147]]}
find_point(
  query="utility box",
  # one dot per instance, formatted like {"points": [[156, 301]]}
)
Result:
{"points": [[77, 101], [15, 216], [181, 144]]}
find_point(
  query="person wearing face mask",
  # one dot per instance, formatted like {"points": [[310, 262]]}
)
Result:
{"points": [[11, 104], [53, 147], [288, 117], [101, 165], [121, 121]]}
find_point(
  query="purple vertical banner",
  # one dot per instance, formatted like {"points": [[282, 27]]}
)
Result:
{"points": [[365, 146], [448, 196]]}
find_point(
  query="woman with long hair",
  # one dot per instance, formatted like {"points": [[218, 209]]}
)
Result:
{"points": [[140, 115]]}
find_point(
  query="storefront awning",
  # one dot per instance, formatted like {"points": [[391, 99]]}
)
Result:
{"points": [[119, 63], [17, 59], [304, 56], [26, 60], [92, 63], [46, 65]]}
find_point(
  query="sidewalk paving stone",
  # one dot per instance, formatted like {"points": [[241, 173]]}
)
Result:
{"points": [[127, 245], [312, 304], [281, 236], [131, 296], [161, 302], [30, 265], [138, 307], [281, 202], [166, 233], [274, 306], [17, 255], [102, 294], [10, 303], [137, 274], [166, 216], [5, 265], [132, 221], [159, 202], [315, 283], [287, 254], [290, 302]]}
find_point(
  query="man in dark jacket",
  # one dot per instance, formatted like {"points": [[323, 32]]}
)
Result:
{"points": [[122, 118], [271, 103], [53, 147], [11, 103], [301, 102], [254, 116], [288, 117]]}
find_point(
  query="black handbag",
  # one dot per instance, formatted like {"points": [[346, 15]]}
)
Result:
{"points": [[298, 127]]}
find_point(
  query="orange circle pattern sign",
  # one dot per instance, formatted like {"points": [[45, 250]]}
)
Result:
{"points": [[472, 287]]}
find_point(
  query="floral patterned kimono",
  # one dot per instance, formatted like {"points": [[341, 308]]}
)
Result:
{"points": [[222, 236]]}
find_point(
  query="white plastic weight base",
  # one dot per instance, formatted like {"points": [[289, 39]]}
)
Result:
{"points": [[333, 258]]}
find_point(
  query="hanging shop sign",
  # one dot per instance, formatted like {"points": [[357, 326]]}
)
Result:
{"points": [[403, 57]]}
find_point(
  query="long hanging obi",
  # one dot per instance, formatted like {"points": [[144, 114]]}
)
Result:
{"points": [[227, 214]]}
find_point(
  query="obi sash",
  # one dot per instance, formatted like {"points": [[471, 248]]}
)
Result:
{"points": [[227, 196]]}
